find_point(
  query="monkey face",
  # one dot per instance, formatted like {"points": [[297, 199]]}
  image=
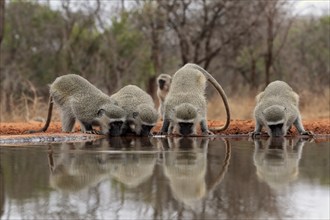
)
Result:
{"points": [[161, 83], [164, 82], [275, 118], [115, 128], [186, 128], [145, 129], [276, 130]]}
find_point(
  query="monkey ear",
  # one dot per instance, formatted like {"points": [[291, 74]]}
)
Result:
{"points": [[101, 112], [135, 114]]}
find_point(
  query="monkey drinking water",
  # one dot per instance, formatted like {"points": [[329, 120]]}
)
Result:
{"points": [[185, 105], [277, 110], [141, 115], [79, 100]]}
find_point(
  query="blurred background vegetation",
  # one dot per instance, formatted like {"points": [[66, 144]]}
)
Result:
{"points": [[243, 44]]}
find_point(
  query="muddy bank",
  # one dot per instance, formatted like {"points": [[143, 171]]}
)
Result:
{"points": [[237, 127]]}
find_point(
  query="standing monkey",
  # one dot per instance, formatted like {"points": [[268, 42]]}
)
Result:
{"points": [[163, 86], [277, 110], [79, 100], [185, 104]]}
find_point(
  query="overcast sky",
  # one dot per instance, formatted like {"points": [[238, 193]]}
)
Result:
{"points": [[317, 7], [303, 7]]}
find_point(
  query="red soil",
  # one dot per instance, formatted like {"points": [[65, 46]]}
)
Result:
{"points": [[237, 127]]}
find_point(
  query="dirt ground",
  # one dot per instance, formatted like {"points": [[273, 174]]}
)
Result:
{"points": [[237, 127]]}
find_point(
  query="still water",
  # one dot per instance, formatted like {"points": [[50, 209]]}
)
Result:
{"points": [[176, 178]]}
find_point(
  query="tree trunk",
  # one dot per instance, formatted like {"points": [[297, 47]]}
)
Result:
{"points": [[2, 19], [269, 53]]}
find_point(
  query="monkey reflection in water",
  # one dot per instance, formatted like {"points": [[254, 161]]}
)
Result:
{"points": [[131, 168], [185, 165], [77, 171], [73, 171], [277, 163]]}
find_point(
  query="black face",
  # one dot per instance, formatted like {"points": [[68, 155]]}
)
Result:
{"points": [[186, 128], [276, 130], [145, 131], [115, 128], [161, 83]]}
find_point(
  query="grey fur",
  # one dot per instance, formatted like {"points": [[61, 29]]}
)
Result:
{"points": [[79, 100], [276, 105], [185, 106], [163, 86], [140, 110]]}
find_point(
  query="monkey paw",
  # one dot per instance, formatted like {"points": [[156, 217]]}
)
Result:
{"points": [[208, 133], [28, 132], [254, 134], [93, 132], [309, 133], [161, 133]]}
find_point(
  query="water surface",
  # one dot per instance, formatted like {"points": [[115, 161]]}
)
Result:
{"points": [[177, 178]]}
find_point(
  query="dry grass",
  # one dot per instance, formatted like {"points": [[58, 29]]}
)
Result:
{"points": [[311, 107], [240, 108], [315, 106], [29, 112]]}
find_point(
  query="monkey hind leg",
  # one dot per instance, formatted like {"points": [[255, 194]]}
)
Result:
{"points": [[68, 121]]}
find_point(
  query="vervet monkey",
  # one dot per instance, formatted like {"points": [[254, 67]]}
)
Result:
{"points": [[163, 86], [141, 115], [79, 100], [277, 110], [185, 104]]}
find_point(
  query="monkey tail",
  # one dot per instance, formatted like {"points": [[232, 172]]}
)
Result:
{"points": [[49, 117], [224, 169], [220, 91]]}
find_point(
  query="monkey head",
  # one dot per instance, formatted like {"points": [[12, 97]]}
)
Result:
{"points": [[185, 117], [144, 119], [274, 118], [113, 117], [164, 82]]}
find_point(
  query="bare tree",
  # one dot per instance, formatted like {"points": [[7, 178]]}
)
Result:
{"points": [[277, 23], [2, 19], [204, 28]]}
